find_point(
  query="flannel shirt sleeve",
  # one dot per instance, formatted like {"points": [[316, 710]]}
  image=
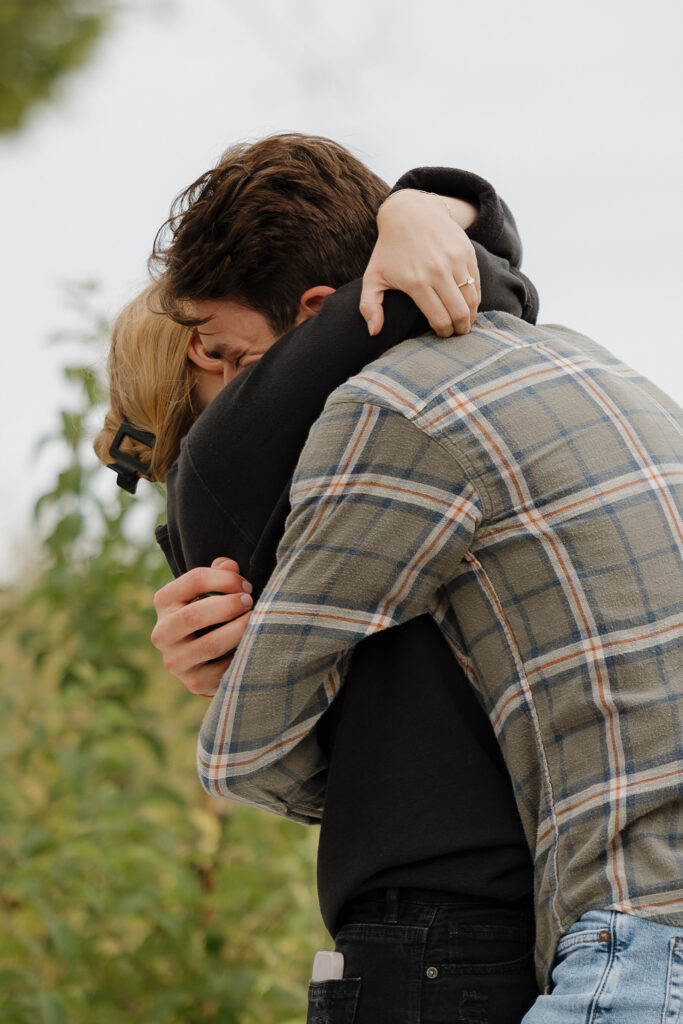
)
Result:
{"points": [[382, 516]]}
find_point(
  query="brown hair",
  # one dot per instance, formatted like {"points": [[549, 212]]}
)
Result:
{"points": [[151, 384], [271, 220]]}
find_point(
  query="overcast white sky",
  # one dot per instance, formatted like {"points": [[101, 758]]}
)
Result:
{"points": [[573, 111]]}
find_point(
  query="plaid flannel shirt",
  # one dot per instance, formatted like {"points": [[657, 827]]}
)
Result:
{"points": [[524, 486]]}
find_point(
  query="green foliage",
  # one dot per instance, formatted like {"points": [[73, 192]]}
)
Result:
{"points": [[127, 894], [40, 42]]}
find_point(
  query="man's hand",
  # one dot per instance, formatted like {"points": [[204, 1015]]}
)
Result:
{"points": [[422, 249], [224, 611]]}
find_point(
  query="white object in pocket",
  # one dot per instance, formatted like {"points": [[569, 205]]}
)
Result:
{"points": [[327, 966]]}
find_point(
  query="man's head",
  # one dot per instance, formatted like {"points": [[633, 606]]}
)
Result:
{"points": [[271, 221], [250, 244]]}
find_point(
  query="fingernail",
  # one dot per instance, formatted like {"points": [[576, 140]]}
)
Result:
{"points": [[246, 600], [247, 587], [372, 328]]}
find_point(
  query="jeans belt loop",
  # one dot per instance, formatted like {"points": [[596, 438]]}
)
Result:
{"points": [[391, 914]]}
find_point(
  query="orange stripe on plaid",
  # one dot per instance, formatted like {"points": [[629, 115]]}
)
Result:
{"points": [[312, 612], [222, 761], [630, 785], [607, 644], [507, 384], [555, 513], [672, 902], [369, 485], [381, 385]]}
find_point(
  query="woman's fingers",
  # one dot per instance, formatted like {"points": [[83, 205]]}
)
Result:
{"points": [[180, 622], [189, 657], [460, 303], [434, 290], [372, 296], [225, 563], [471, 293], [204, 680], [210, 611], [195, 583]]}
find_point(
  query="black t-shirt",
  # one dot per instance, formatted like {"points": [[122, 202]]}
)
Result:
{"points": [[417, 792]]}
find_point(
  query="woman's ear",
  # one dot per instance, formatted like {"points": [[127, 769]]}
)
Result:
{"points": [[197, 353], [311, 301]]}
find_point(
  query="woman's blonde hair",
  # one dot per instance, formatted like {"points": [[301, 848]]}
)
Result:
{"points": [[151, 385]]}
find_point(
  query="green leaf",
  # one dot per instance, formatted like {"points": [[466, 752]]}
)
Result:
{"points": [[52, 1008], [72, 428], [66, 943], [40, 42]]}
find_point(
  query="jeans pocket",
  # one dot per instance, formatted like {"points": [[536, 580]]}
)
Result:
{"points": [[483, 948], [333, 1002]]}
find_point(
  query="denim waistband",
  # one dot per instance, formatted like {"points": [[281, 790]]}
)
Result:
{"points": [[425, 907]]}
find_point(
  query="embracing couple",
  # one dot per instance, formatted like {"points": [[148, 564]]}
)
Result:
{"points": [[450, 572]]}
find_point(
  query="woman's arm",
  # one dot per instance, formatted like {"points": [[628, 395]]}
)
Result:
{"points": [[420, 250]]}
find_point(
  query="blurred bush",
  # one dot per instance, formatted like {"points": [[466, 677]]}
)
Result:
{"points": [[40, 42], [127, 895]]}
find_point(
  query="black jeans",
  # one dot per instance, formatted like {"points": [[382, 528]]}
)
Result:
{"points": [[413, 956]]}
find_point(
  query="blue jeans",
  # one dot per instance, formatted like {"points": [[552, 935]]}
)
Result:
{"points": [[412, 956], [615, 968]]}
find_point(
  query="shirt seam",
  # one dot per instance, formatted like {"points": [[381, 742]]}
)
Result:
{"points": [[458, 379], [547, 775], [469, 475]]}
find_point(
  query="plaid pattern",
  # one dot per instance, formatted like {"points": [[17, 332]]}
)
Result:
{"points": [[525, 487]]}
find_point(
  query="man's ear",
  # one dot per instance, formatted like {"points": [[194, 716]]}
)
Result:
{"points": [[197, 354], [312, 300]]}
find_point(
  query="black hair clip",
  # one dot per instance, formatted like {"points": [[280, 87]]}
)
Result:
{"points": [[127, 467]]}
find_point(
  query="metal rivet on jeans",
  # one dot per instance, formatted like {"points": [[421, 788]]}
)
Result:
{"points": [[432, 972], [604, 935]]}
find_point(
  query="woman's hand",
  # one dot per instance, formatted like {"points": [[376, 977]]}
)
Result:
{"points": [[422, 249], [198, 637]]}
